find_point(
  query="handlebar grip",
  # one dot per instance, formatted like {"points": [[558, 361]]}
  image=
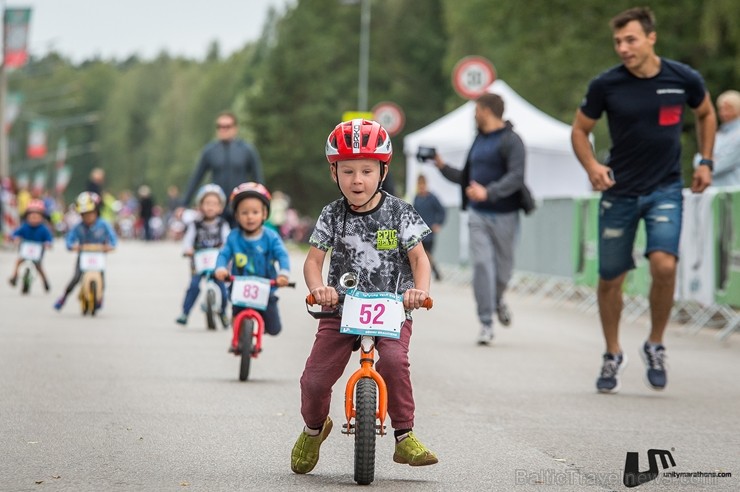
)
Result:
{"points": [[310, 300]]}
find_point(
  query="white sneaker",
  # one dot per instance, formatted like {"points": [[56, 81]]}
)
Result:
{"points": [[486, 335]]}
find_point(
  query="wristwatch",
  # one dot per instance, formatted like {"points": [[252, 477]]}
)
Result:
{"points": [[707, 162]]}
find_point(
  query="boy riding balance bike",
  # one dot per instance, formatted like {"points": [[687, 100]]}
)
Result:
{"points": [[92, 233], [249, 255], [378, 237]]}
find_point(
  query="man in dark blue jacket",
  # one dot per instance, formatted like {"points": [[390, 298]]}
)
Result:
{"points": [[230, 160], [491, 182]]}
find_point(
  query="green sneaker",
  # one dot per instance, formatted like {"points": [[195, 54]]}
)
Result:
{"points": [[411, 452], [305, 453]]}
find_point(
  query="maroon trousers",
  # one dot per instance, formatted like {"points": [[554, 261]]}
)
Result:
{"points": [[326, 363]]}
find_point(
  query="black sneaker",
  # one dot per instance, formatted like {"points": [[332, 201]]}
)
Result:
{"points": [[611, 371], [504, 315], [13, 281], [654, 357]]}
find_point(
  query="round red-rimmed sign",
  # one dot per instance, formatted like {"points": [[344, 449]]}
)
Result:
{"points": [[472, 75], [390, 116]]}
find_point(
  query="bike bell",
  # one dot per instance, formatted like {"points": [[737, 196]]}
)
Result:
{"points": [[348, 280]]}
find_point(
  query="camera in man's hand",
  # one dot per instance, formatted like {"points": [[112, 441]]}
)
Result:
{"points": [[426, 154]]}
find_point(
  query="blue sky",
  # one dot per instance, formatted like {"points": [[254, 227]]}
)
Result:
{"points": [[81, 29]]}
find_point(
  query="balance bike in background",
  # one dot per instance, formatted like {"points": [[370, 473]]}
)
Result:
{"points": [[252, 293]]}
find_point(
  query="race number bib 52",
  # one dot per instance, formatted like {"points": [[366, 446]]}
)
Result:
{"points": [[92, 261], [379, 314], [205, 260], [253, 292], [31, 250]]}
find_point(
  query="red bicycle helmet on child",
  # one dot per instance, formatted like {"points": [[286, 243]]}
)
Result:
{"points": [[37, 206], [359, 139], [250, 189]]}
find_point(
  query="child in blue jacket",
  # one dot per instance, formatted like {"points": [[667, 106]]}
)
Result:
{"points": [[253, 249], [92, 230], [33, 229]]}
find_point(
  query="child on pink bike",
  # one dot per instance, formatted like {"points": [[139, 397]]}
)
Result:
{"points": [[34, 230], [377, 236], [253, 249]]}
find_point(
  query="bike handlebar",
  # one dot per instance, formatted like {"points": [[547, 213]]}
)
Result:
{"points": [[273, 282], [311, 301]]}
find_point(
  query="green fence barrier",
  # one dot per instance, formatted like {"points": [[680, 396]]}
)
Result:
{"points": [[726, 215], [585, 241]]}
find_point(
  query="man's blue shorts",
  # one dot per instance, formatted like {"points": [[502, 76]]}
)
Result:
{"points": [[618, 220]]}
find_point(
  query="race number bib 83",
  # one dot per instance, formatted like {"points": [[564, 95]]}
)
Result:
{"points": [[205, 260], [378, 314], [253, 292], [31, 250], [92, 261]]}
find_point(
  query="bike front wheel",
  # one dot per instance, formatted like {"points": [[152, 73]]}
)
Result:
{"points": [[27, 277], [365, 415], [92, 303], [210, 312], [245, 345]]}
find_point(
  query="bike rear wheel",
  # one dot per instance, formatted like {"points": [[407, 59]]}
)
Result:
{"points": [[245, 345], [92, 303], [26, 287], [365, 410], [210, 313]]}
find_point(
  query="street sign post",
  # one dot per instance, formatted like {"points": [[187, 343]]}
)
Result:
{"points": [[472, 75], [390, 116]]}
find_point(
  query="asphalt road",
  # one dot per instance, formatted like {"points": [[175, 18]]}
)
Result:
{"points": [[128, 400]]}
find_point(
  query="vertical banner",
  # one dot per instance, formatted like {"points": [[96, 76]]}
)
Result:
{"points": [[61, 152], [37, 130], [39, 182], [22, 180], [12, 109], [63, 175], [16, 22], [696, 270], [63, 172]]}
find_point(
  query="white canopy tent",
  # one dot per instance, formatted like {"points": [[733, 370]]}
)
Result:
{"points": [[552, 170]]}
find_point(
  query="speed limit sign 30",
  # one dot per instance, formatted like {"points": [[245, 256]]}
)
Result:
{"points": [[472, 75]]}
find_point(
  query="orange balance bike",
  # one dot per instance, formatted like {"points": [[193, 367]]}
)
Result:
{"points": [[365, 315]]}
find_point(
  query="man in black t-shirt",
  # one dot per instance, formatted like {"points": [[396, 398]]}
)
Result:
{"points": [[644, 98]]}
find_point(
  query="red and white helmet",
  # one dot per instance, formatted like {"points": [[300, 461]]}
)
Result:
{"points": [[250, 189], [37, 206], [359, 139]]}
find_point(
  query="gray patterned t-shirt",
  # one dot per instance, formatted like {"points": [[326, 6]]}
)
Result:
{"points": [[372, 244]]}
